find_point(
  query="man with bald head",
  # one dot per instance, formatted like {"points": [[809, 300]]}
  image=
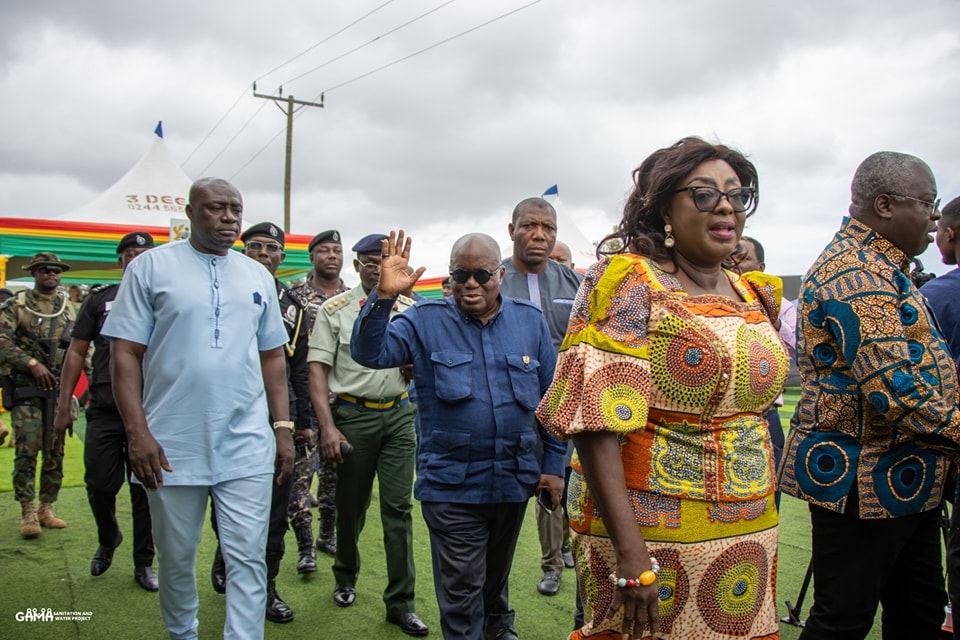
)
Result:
{"points": [[481, 361], [561, 254], [877, 416], [196, 361]]}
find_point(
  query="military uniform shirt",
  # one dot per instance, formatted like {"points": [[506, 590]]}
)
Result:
{"points": [[330, 344], [17, 350]]}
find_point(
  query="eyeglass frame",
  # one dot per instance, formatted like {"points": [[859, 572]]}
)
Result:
{"points": [[722, 194], [369, 265], [482, 276], [263, 245], [935, 204]]}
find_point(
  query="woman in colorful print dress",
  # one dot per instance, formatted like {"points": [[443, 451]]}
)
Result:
{"points": [[668, 365]]}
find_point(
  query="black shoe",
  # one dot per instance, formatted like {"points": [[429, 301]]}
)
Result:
{"points": [[146, 578], [103, 557], [327, 545], [505, 633], [218, 573], [344, 596], [549, 584], [307, 560], [567, 554], [409, 623], [277, 609]]}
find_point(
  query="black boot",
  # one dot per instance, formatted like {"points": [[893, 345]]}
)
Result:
{"points": [[327, 540], [307, 560], [218, 572], [277, 609]]}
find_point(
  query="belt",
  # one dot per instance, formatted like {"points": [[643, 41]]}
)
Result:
{"points": [[383, 404]]}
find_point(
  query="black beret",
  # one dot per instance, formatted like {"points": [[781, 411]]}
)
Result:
{"points": [[135, 239], [263, 229], [324, 237], [370, 244]]}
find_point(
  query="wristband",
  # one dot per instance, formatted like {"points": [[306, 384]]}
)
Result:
{"points": [[646, 578], [283, 424]]}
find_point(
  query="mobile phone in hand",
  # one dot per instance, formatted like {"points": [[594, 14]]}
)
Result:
{"points": [[545, 500]]}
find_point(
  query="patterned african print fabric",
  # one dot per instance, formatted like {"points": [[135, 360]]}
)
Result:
{"points": [[879, 392], [684, 382]]}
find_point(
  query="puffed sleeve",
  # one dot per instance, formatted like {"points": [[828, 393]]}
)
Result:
{"points": [[602, 380]]}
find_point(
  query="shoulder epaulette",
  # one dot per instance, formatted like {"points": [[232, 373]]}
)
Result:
{"points": [[102, 287], [334, 304]]}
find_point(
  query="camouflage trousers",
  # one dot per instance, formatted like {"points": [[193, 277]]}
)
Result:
{"points": [[306, 463], [27, 422]]}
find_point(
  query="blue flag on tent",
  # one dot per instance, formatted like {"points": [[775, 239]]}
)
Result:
{"points": [[552, 191], [159, 129]]}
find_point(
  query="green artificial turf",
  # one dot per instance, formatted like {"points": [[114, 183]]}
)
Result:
{"points": [[53, 571]]}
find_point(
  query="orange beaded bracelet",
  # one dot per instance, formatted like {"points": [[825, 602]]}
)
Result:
{"points": [[645, 579]]}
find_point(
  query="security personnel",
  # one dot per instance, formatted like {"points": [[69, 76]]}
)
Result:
{"points": [[33, 326], [371, 411], [323, 282], [264, 243], [105, 442]]}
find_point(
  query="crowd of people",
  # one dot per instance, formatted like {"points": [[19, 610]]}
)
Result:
{"points": [[635, 400]]}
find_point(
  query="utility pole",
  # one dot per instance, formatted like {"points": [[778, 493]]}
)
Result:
{"points": [[290, 102]]}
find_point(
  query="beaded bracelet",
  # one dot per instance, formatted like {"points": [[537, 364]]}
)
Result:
{"points": [[644, 579]]}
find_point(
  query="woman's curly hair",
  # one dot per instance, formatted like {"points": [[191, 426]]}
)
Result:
{"points": [[655, 180]]}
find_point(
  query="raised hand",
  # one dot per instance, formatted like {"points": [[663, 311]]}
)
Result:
{"points": [[395, 256]]}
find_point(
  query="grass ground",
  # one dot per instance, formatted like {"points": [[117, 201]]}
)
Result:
{"points": [[53, 572]]}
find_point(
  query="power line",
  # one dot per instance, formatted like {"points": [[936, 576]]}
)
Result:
{"points": [[425, 49], [386, 66], [278, 67], [366, 44], [331, 36], [230, 141], [219, 122]]}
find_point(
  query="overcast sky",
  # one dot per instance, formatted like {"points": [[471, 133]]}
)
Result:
{"points": [[446, 142]]}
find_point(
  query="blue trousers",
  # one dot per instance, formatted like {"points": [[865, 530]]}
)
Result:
{"points": [[242, 515]]}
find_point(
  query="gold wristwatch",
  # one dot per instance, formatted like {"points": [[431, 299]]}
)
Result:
{"points": [[31, 363]]}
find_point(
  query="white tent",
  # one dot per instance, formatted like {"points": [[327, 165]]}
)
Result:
{"points": [[152, 192]]}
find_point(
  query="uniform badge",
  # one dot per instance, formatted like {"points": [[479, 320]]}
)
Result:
{"points": [[273, 231], [141, 240], [336, 236], [291, 313]]}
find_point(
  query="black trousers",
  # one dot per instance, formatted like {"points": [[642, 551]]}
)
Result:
{"points": [[277, 527], [858, 564], [775, 428], [106, 467], [472, 546], [953, 560]]}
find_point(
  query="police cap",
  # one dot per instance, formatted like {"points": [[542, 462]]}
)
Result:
{"points": [[263, 229], [370, 244], [135, 239], [325, 237]]}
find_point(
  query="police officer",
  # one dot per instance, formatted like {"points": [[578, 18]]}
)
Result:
{"points": [[105, 441], [264, 243], [323, 282], [371, 411], [33, 325]]}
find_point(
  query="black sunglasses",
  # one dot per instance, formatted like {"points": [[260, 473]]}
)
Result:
{"points": [[50, 270], [706, 198], [482, 276]]}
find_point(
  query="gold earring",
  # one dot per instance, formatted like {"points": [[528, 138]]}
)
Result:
{"points": [[669, 241]]}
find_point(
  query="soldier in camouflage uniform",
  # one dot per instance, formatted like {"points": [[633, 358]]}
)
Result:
{"points": [[33, 327], [326, 254]]}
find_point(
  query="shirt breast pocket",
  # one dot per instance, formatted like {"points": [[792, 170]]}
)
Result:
{"points": [[452, 376], [524, 380]]}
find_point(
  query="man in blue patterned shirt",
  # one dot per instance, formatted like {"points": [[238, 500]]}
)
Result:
{"points": [[877, 414]]}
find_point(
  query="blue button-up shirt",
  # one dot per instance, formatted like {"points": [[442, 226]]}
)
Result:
{"points": [[477, 388]]}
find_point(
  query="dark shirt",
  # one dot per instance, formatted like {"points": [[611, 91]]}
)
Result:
{"points": [[93, 313], [557, 285], [293, 310], [943, 296], [477, 388]]}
